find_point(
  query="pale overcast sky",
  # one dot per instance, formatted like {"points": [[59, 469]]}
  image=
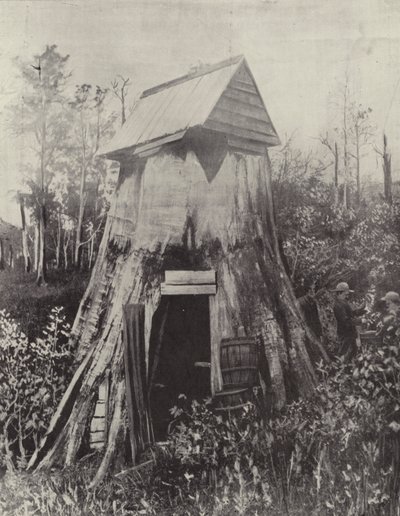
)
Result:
{"points": [[298, 51]]}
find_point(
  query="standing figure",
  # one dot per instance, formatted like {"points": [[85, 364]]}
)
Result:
{"points": [[309, 308], [346, 327]]}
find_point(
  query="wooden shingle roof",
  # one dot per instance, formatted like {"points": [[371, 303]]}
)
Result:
{"points": [[222, 98]]}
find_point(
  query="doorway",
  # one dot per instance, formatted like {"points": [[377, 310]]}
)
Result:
{"points": [[179, 356]]}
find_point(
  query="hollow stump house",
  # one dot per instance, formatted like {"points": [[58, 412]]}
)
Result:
{"points": [[189, 256]]}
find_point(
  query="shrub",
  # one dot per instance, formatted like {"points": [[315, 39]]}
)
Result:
{"points": [[333, 452], [33, 377]]}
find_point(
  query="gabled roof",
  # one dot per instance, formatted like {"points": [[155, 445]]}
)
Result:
{"points": [[164, 113]]}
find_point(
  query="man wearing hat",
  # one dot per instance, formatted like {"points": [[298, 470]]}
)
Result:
{"points": [[346, 328]]}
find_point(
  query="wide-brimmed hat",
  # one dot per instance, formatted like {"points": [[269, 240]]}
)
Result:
{"points": [[342, 287], [392, 296]]}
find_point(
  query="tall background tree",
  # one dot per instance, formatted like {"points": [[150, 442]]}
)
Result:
{"points": [[91, 125], [41, 118]]}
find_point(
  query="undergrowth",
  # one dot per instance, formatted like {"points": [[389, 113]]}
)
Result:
{"points": [[336, 453]]}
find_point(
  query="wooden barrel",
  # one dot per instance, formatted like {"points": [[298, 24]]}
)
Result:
{"points": [[239, 362], [229, 400]]}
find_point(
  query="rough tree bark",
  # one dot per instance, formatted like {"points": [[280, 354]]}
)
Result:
{"points": [[58, 240], [387, 172], [25, 246], [41, 256], [336, 175], [82, 201], [159, 200], [1, 254], [11, 256], [36, 247]]}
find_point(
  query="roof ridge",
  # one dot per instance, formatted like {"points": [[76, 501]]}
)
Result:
{"points": [[203, 70]]}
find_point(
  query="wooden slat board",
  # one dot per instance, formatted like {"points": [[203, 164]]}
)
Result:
{"points": [[100, 410], [189, 277], [246, 121], [243, 108], [215, 339], [242, 86], [97, 425], [188, 290], [240, 132], [249, 98]]}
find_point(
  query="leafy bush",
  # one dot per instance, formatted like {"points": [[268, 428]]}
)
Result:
{"points": [[33, 377], [334, 453]]}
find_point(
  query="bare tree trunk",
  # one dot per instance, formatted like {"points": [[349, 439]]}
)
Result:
{"points": [[358, 164], [41, 264], [336, 176], [387, 172], [82, 200], [345, 145], [91, 251], [1, 254], [58, 242], [120, 92], [11, 256], [66, 243], [25, 246], [36, 247]]}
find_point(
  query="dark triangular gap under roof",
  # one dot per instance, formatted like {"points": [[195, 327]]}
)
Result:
{"points": [[210, 148]]}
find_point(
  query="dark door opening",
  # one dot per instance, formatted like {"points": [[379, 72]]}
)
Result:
{"points": [[178, 357]]}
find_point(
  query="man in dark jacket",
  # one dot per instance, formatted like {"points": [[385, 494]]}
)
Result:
{"points": [[346, 327], [309, 308]]}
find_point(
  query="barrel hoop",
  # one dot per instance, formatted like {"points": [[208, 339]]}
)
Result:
{"points": [[234, 407], [235, 385], [241, 368], [221, 394]]}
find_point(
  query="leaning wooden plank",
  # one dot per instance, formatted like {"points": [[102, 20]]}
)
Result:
{"points": [[188, 290], [62, 413], [189, 277], [135, 377], [215, 338]]}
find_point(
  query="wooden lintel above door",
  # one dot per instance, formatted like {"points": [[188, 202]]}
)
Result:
{"points": [[181, 283]]}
